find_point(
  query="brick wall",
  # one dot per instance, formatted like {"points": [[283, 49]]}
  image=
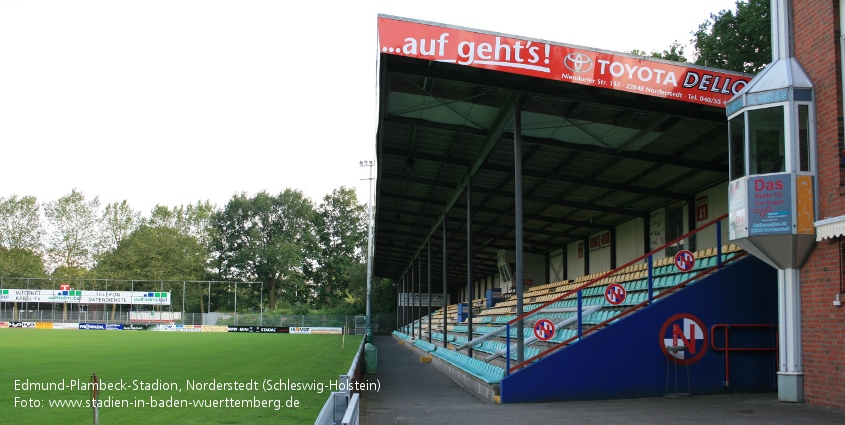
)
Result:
{"points": [[816, 32]]}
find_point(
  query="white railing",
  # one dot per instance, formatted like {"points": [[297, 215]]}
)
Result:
{"points": [[352, 415], [342, 406]]}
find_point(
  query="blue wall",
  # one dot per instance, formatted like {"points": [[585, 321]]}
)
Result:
{"points": [[625, 360]]}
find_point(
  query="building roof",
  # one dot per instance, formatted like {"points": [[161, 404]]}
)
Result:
{"points": [[593, 157]]}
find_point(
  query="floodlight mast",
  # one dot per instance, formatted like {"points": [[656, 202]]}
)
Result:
{"points": [[370, 164]]}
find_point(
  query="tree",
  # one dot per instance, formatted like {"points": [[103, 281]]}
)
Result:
{"points": [[192, 220], [674, 53], [154, 253], [266, 238], [119, 221], [157, 253], [19, 262], [738, 41], [20, 223], [74, 238], [66, 274], [383, 297], [341, 225]]}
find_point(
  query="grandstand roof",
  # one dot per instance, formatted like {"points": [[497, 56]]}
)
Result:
{"points": [[602, 142]]}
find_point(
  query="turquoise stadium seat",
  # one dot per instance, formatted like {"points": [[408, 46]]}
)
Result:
{"points": [[439, 336], [526, 332], [563, 335], [591, 318], [527, 352], [402, 335], [663, 281], [427, 346], [631, 299], [486, 372]]}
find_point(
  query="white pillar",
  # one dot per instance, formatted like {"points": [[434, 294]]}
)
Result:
{"points": [[790, 369]]}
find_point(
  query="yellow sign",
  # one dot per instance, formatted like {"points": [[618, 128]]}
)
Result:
{"points": [[805, 205]]}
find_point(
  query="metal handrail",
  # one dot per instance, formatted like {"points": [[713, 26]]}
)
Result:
{"points": [[328, 413], [727, 348], [532, 339], [630, 310], [627, 311], [614, 271]]}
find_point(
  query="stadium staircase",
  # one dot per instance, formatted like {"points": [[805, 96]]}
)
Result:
{"points": [[601, 350]]}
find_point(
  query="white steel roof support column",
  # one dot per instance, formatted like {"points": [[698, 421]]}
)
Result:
{"points": [[445, 295], [790, 370], [469, 261], [517, 189]]}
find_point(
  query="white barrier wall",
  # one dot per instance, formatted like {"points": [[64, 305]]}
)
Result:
{"points": [[155, 316]]}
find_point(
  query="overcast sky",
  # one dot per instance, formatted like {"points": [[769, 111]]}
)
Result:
{"points": [[174, 101]]}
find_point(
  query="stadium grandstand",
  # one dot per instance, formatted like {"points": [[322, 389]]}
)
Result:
{"points": [[567, 223]]}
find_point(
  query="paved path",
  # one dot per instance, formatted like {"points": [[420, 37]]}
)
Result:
{"points": [[416, 393]]}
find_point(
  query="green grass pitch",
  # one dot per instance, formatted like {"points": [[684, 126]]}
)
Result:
{"points": [[137, 358]]}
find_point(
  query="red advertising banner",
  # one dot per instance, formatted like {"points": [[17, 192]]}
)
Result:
{"points": [[558, 62]]}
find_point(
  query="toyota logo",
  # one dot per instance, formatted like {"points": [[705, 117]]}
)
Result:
{"points": [[578, 62]]}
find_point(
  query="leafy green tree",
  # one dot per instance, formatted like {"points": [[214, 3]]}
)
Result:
{"points": [[67, 274], [192, 220], [269, 239], [20, 223], [384, 294], [355, 298], [73, 237], [738, 41], [341, 225], [119, 221], [674, 53], [162, 216], [19, 262], [154, 253]]}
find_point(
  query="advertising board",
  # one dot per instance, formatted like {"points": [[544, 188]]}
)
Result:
{"points": [[573, 64]]}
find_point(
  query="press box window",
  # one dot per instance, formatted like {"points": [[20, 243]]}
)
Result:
{"points": [[766, 146], [736, 140], [804, 137]]}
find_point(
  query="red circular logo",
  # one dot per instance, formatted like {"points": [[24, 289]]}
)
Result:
{"points": [[544, 329], [684, 260], [683, 339], [615, 294]]}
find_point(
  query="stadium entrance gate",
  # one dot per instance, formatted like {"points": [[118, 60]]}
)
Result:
{"points": [[360, 325]]}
